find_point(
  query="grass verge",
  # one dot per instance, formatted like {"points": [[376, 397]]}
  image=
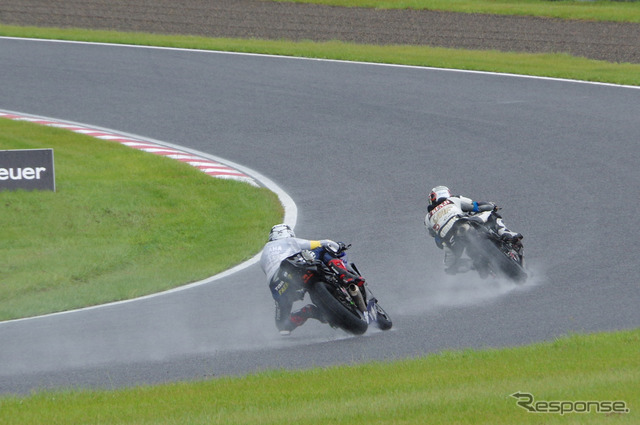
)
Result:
{"points": [[555, 65], [463, 387], [469, 387], [602, 10], [121, 224]]}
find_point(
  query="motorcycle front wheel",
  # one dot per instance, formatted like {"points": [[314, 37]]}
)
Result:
{"points": [[382, 318]]}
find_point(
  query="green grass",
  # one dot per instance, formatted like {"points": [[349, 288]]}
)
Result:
{"points": [[467, 387], [617, 11], [559, 65], [548, 65], [462, 387], [121, 224]]}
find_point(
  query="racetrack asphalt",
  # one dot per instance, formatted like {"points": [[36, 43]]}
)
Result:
{"points": [[357, 146]]}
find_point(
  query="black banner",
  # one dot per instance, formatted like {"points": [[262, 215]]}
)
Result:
{"points": [[29, 169]]}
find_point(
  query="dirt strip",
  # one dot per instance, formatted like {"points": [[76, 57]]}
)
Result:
{"points": [[614, 42]]}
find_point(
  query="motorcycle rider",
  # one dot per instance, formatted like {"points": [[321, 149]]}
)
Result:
{"points": [[286, 286], [443, 212]]}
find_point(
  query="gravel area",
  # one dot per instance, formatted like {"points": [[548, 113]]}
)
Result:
{"points": [[614, 42]]}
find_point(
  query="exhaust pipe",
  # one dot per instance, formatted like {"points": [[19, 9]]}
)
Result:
{"points": [[355, 293]]}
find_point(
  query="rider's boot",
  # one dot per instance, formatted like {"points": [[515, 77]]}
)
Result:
{"points": [[298, 318], [507, 234]]}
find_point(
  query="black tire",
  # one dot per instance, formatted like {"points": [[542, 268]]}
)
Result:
{"points": [[383, 321], [503, 264], [347, 318]]}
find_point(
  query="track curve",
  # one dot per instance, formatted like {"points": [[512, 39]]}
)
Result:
{"points": [[357, 146]]}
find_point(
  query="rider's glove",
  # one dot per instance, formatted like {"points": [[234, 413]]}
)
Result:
{"points": [[308, 256]]}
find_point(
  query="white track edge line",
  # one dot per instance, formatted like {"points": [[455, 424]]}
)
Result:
{"points": [[504, 74]]}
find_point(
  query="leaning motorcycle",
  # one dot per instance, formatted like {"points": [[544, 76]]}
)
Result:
{"points": [[351, 308], [490, 254]]}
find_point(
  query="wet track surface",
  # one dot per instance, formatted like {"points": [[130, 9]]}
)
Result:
{"points": [[357, 146]]}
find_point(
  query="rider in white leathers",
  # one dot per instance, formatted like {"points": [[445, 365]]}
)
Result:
{"points": [[286, 288], [442, 214]]}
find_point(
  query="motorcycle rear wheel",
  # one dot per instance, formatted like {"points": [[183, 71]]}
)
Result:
{"points": [[346, 317], [505, 265]]}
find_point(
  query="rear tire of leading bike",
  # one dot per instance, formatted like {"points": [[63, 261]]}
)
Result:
{"points": [[348, 318], [505, 265]]}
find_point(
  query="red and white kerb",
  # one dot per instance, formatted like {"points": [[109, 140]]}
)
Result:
{"points": [[212, 168]]}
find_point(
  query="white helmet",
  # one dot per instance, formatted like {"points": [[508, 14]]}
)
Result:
{"points": [[281, 231], [438, 193]]}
